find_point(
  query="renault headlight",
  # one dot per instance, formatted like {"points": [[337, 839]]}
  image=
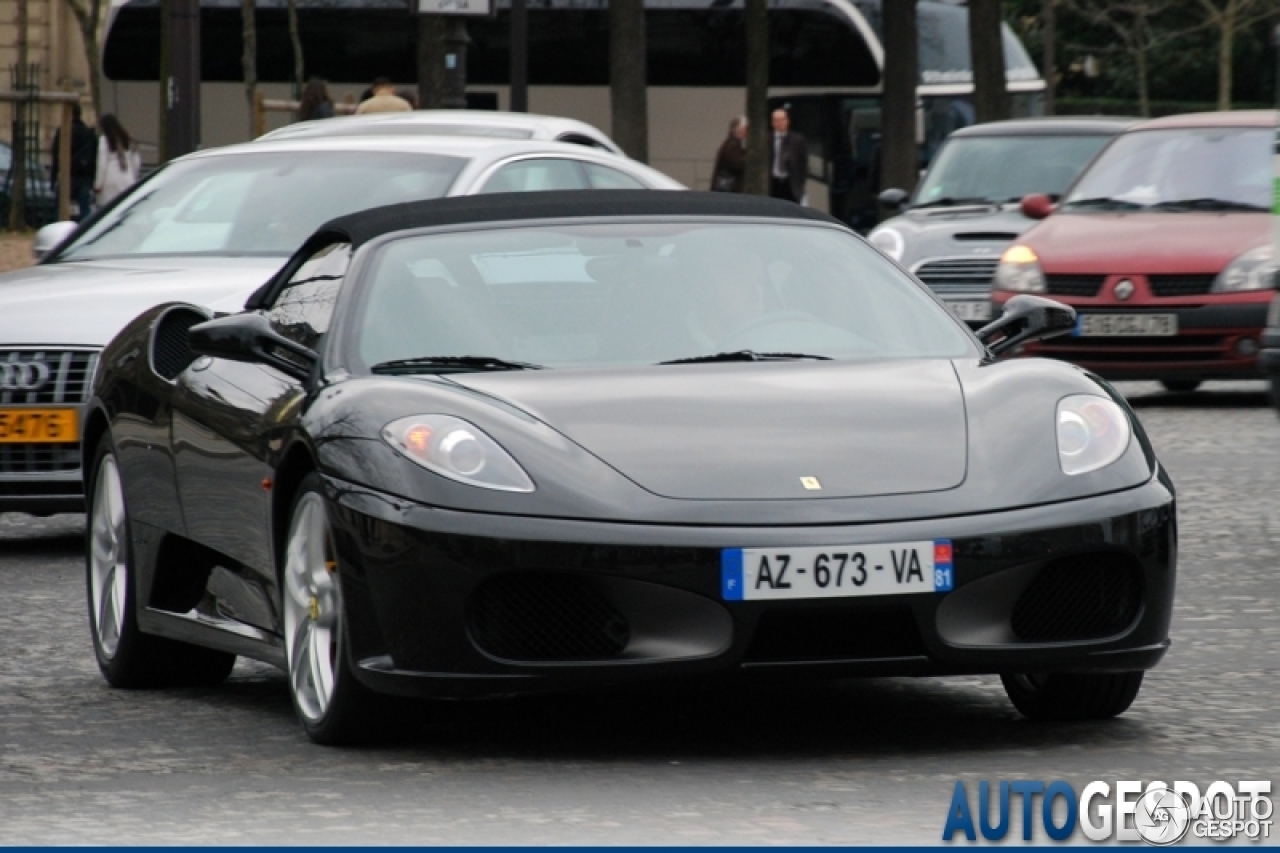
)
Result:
{"points": [[1093, 432], [889, 241], [1019, 271], [453, 448], [1254, 270]]}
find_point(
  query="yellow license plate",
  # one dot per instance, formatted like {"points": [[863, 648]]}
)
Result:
{"points": [[39, 426]]}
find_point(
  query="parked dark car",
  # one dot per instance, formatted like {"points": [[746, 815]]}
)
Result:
{"points": [[1270, 357], [524, 442]]}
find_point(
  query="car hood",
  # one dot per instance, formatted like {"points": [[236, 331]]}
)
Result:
{"points": [[86, 303], [739, 432], [1139, 243], [942, 232]]}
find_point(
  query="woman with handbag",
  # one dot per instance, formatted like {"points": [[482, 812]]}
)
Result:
{"points": [[729, 174], [119, 163]]}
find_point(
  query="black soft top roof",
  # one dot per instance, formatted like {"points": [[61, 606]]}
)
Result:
{"points": [[366, 225]]}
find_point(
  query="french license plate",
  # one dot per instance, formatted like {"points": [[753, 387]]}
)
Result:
{"points": [[975, 311], [753, 574], [39, 426], [1126, 325]]}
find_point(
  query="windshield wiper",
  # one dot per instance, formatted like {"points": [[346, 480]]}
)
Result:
{"points": [[747, 355], [434, 364], [948, 201], [1102, 201], [1207, 204]]}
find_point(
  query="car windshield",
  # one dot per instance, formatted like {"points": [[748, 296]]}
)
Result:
{"points": [[257, 203], [1005, 168], [587, 295], [1180, 169]]}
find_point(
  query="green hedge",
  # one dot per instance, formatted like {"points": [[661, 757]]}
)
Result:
{"points": [[1124, 107]]}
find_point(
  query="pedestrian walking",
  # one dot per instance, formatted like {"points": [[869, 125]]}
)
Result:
{"points": [[315, 102], [119, 163], [84, 151], [788, 159], [383, 100], [729, 174]]}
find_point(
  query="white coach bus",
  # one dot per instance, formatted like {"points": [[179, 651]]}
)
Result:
{"points": [[825, 62]]}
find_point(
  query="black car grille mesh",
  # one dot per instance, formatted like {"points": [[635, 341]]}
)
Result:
{"points": [[1079, 598], [966, 273], [170, 353], [39, 458], [34, 377], [546, 617], [1180, 285], [1076, 285]]}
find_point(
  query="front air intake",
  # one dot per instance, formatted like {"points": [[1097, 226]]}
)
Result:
{"points": [[1084, 597], [546, 617]]}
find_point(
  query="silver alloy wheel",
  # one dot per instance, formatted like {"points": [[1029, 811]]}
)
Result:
{"points": [[108, 554], [312, 609]]}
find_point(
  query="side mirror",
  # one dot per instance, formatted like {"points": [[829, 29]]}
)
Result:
{"points": [[1036, 206], [1027, 318], [48, 237], [893, 199], [250, 338]]}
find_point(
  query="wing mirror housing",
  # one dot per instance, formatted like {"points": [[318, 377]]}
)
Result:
{"points": [[249, 337], [1036, 206], [50, 236], [893, 199], [1027, 318]]}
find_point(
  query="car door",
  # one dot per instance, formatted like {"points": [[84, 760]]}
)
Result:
{"points": [[229, 420]]}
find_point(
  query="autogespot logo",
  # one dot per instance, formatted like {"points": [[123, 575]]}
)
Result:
{"points": [[1156, 813], [23, 375]]}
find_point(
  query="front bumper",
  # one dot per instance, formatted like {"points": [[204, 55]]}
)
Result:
{"points": [[1214, 341], [441, 602], [1269, 358]]}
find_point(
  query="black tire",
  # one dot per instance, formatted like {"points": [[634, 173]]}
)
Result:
{"points": [[126, 656], [346, 712], [1275, 393], [1180, 386], [1067, 696]]}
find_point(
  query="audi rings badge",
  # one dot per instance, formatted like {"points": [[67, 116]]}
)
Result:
{"points": [[23, 375]]}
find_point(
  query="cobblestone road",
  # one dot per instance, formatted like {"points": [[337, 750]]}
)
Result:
{"points": [[855, 762]]}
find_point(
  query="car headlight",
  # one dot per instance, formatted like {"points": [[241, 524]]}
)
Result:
{"points": [[1253, 270], [1019, 271], [889, 241], [453, 448], [1093, 432]]}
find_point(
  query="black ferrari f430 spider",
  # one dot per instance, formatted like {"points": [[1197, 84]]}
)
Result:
{"points": [[554, 440]]}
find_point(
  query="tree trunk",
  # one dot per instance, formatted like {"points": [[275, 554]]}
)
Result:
{"points": [[249, 59], [757, 35], [628, 96], [1140, 60], [18, 164], [1226, 39], [162, 130], [430, 61], [1049, 27], [88, 15], [899, 166], [295, 39], [986, 49]]}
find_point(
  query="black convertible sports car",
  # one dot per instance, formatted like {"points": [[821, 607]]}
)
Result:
{"points": [[523, 443]]}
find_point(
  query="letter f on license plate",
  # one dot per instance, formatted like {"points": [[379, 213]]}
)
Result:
{"points": [[750, 574]]}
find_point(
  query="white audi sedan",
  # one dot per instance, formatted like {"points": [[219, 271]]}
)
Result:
{"points": [[208, 229]]}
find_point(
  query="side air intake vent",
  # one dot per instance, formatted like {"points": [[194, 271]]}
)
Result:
{"points": [[1079, 598], [170, 354], [546, 617]]}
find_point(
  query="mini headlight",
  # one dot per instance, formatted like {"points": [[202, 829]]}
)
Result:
{"points": [[1019, 271], [1253, 270], [453, 448], [889, 241], [1093, 432]]}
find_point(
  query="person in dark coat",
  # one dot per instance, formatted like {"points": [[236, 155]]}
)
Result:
{"points": [[788, 159], [315, 102], [84, 162], [729, 174]]}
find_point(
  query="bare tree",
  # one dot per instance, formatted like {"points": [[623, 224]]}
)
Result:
{"points": [[986, 51], [628, 95], [249, 59], [18, 169], [1132, 23], [1049, 27], [295, 39], [757, 71], [1228, 17], [430, 61], [898, 158], [91, 17]]}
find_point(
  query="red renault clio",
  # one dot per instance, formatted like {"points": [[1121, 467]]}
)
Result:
{"points": [[1163, 246]]}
